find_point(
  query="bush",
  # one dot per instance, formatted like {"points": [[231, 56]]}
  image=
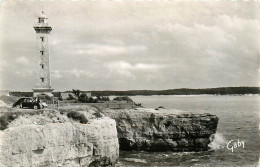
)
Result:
{"points": [[6, 119], [98, 114], [77, 117], [152, 118], [102, 98], [71, 97], [138, 104], [123, 98], [76, 92], [44, 97], [82, 97], [60, 98], [98, 108]]}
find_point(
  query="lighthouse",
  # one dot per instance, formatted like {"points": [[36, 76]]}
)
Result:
{"points": [[43, 79]]}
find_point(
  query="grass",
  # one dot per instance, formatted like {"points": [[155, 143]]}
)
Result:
{"points": [[98, 112], [8, 115], [100, 109], [77, 116]]}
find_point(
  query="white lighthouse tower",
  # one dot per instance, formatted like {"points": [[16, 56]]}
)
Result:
{"points": [[43, 80]]}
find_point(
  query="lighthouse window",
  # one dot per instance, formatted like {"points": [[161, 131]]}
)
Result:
{"points": [[42, 65], [42, 52], [41, 20], [42, 79], [42, 39]]}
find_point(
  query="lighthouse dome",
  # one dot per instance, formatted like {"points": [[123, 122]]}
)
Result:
{"points": [[42, 19], [42, 15]]}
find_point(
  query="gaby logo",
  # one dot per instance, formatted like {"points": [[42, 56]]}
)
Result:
{"points": [[232, 144]]}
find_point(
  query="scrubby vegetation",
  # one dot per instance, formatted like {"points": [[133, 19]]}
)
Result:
{"points": [[152, 118], [123, 98], [138, 104], [6, 119], [99, 111], [103, 98], [44, 97], [98, 114], [98, 108], [71, 97], [10, 115], [82, 97], [127, 99], [77, 116]]}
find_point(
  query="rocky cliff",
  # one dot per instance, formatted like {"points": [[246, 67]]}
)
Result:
{"points": [[52, 139], [150, 131]]}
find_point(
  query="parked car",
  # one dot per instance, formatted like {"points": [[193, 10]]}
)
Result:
{"points": [[28, 102]]}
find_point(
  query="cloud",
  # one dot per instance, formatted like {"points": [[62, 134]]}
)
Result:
{"points": [[56, 74], [129, 70], [123, 65], [101, 50], [3, 65], [119, 68], [25, 73], [112, 41], [22, 60], [78, 73], [97, 49], [74, 72], [154, 45]]}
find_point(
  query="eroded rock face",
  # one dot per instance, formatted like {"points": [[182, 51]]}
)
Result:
{"points": [[142, 130], [67, 144]]}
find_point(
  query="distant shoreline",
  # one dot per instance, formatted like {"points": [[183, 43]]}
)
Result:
{"points": [[182, 91], [202, 95]]}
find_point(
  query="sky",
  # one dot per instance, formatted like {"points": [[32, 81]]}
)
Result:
{"points": [[133, 45]]}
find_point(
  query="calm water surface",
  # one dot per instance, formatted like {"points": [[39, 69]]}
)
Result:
{"points": [[238, 119]]}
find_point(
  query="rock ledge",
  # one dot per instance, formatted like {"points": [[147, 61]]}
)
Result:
{"points": [[149, 131]]}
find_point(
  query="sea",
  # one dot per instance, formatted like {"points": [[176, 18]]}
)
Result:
{"points": [[238, 120]]}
